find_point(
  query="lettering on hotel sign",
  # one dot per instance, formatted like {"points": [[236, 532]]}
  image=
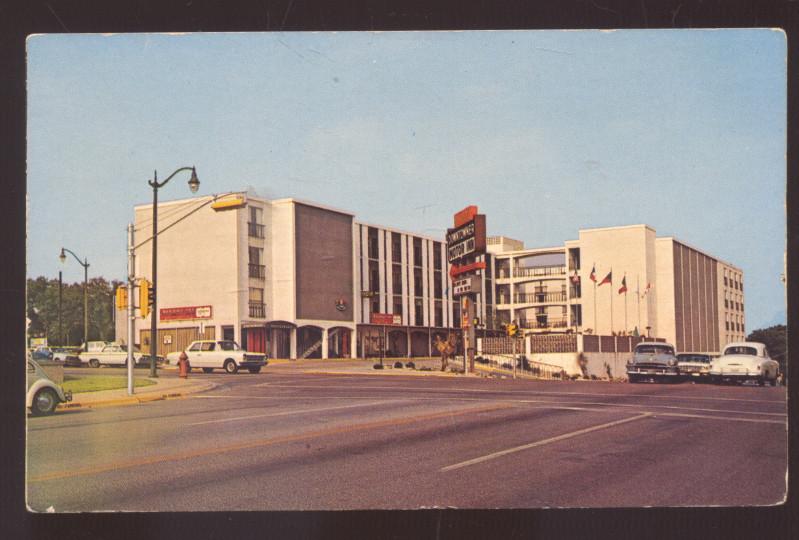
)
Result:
{"points": [[470, 284], [185, 313], [467, 239]]}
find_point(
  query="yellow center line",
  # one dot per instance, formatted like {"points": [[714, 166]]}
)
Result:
{"points": [[127, 464]]}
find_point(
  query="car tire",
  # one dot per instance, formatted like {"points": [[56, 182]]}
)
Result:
{"points": [[208, 370], [44, 402], [94, 362], [230, 366], [254, 369], [633, 378]]}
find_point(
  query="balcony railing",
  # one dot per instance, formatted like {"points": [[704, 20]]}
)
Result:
{"points": [[544, 324], [255, 230], [540, 297], [521, 271], [257, 271], [257, 310]]}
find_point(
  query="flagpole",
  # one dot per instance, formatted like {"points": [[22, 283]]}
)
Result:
{"points": [[595, 327], [611, 303], [638, 297], [625, 311]]}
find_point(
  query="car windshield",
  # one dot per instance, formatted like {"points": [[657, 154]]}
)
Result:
{"points": [[705, 359], [228, 346], [741, 350], [651, 348]]}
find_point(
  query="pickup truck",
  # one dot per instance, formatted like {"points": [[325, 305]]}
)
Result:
{"points": [[220, 354]]}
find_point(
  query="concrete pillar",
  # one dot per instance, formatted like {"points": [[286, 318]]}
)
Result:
{"points": [[325, 344], [353, 343], [293, 344]]}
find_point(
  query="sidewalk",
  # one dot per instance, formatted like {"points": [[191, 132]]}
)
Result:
{"points": [[164, 388]]}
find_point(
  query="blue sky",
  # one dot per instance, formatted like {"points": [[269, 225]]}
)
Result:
{"points": [[546, 131]]}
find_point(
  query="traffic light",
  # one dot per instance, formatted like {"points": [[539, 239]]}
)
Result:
{"points": [[145, 297], [122, 297], [512, 329]]}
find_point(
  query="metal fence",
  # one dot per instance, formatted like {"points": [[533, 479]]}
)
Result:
{"points": [[504, 363]]}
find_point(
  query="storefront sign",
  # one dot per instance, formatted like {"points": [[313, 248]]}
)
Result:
{"points": [[185, 313], [465, 215], [388, 319]]}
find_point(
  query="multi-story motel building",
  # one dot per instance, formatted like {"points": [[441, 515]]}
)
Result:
{"points": [[298, 279], [292, 278], [674, 291]]}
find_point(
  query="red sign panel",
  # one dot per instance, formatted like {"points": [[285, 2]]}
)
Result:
{"points": [[185, 313], [385, 318], [456, 270], [465, 215]]}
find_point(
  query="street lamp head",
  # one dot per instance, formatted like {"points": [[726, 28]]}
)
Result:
{"points": [[194, 182], [63, 256]]}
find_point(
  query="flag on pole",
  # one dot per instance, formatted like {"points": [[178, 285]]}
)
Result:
{"points": [[607, 279], [593, 273], [623, 288]]}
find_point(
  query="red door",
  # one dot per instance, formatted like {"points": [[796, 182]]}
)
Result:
{"points": [[255, 340]]}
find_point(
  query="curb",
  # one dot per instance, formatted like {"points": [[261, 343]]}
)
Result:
{"points": [[398, 373], [134, 400]]}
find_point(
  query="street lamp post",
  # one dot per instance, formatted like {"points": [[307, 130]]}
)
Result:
{"points": [[85, 265], [194, 185]]}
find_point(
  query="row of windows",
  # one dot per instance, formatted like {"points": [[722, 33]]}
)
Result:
{"points": [[417, 318], [729, 304], [733, 280], [735, 326], [396, 248]]}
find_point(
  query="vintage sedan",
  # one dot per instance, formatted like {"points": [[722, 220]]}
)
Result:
{"points": [[110, 355], [745, 361], [652, 360], [220, 354], [694, 366]]}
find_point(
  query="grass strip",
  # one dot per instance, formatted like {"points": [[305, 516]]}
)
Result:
{"points": [[96, 383]]}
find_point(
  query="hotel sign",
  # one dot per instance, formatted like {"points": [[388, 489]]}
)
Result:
{"points": [[467, 285], [185, 313], [467, 239]]}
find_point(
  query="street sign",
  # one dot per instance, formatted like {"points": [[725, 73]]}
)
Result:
{"points": [[468, 239], [185, 313]]}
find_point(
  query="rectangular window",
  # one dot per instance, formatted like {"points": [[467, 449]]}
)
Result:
{"points": [[396, 278], [255, 226], [436, 255], [417, 282], [396, 247], [417, 252], [372, 238], [439, 314], [375, 304], [256, 303], [437, 292], [374, 276], [397, 305], [418, 312]]}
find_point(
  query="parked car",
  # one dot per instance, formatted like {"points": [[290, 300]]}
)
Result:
{"points": [[42, 352], [220, 354], [60, 353], [143, 359], [43, 395], [110, 355], [694, 366], [745, 361], [652, 360]]}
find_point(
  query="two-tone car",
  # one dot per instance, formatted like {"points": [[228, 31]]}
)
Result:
{"points": [[743, 361], [652, 360], [43, 394], [694, 366], [210, 354]]}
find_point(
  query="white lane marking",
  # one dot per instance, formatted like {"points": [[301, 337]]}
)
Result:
{"points": [[276, 384], [731, 418], [542, 442], [287, 413], [603, 407]]}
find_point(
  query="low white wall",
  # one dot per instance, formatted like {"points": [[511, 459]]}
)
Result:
{"points": [[596, 363]]}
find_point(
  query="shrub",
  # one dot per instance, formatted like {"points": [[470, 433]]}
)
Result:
{"points": [[425, 369], [410, 365], [398, 365], [378, 366], [506, 365]]}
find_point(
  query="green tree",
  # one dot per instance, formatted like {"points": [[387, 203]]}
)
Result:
{"points": [[42, 310], [775, 339]]}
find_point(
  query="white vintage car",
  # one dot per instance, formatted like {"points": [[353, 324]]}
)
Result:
{"points": [[745, 361], [111, 354], [220, 354]]}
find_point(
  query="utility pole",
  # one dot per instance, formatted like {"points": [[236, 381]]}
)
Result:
{"points": [[131, 308], [60, 293]]}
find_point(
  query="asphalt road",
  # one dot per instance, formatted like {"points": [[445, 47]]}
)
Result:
{"points": [[283, 440]]}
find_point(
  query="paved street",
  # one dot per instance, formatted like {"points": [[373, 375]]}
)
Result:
{"points": [[284, 440]]}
